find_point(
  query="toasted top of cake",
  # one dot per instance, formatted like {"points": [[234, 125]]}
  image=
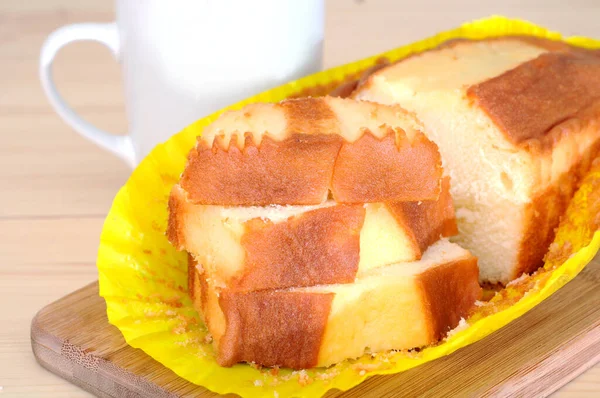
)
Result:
{"points": [[526, 99], [526, 85], [298, 152]]}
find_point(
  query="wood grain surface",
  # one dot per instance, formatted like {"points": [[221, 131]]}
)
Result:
{"points": [[532, 356], [57, 187]]}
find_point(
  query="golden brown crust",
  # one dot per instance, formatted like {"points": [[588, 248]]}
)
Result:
{"points": [[297, 168], [206, 302], [294, 171], [428, 220], [174, 223], [543, 214], [387, 169], [268, 328], [198, 295], [273, 328], [192, 278], [593, 198], [318, 247], [346, 89], [309, 116], [529, 100], [548, 44], [449, 292]]}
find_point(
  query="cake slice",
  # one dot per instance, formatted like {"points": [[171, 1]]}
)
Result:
{"points": [[400, 306], [299, 152], [517, 120], [274, 247]]}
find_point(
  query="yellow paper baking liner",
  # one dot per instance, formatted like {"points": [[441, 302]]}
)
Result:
{"points": [[144, 279]]}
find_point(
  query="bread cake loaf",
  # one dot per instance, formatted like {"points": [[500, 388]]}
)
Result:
{"points": [[517, 120], [273, 247], [401, 306], [313, 232]]}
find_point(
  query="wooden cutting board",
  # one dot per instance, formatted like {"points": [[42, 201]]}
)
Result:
{"points": [[532, 356]]}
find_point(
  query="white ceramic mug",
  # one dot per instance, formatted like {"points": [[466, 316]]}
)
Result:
{"points": [[184, 59]]}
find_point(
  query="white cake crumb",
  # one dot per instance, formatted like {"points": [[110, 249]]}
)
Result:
{"points": [[303, 378], [518, 280], [462, 325], [258, 383]]}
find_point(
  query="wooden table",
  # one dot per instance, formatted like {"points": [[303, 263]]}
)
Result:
{"points": [[57, 187]]}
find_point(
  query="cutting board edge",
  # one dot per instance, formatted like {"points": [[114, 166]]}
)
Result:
{"points": [[101, 377], [49, 350], [38, 352]]}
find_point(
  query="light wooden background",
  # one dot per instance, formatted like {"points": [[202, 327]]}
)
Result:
{"points": [[55, 187]]}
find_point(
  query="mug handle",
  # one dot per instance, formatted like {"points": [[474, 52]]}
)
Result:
{"points": [[107, 34]]}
